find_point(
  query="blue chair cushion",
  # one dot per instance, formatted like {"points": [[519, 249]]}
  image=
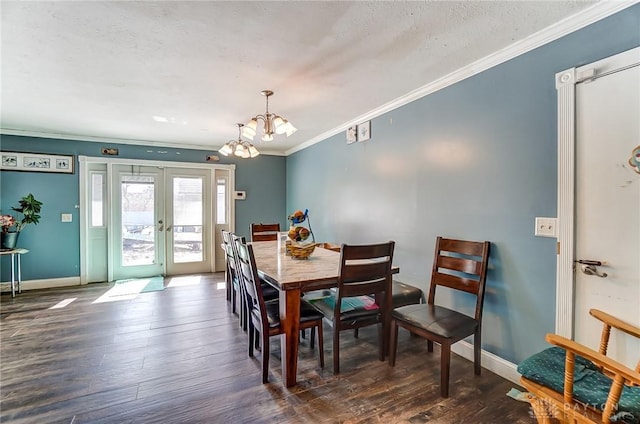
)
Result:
{"points": [[350, 308], [590, 386]]}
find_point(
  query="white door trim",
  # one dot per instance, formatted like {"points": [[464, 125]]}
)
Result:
{"points": [[566, 86], [110, 161]]}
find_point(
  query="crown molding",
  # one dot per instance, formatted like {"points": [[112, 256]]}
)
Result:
{"points": [[588, 16], [106, 140]]}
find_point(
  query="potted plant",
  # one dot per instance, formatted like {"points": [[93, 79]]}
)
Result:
{"points": [[11, 226]]}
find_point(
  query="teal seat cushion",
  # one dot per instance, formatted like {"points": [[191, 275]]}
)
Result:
{"points": [[351, 308], [590, 386]]}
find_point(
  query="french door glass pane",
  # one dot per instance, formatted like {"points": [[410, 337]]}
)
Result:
{"points": [[187, 219], [221, 196], [138, 220], [97, 199]]}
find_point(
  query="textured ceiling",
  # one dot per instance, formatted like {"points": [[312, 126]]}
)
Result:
{"points": [[104, 69]]}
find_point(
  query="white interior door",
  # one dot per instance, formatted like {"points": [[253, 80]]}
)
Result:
{"points": [[607, 217]]}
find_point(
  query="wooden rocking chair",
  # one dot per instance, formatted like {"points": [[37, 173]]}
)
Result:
{"points": [[593, 389]]}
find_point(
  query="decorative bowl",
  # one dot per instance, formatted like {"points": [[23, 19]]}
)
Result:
{"points": [[300, 251]]}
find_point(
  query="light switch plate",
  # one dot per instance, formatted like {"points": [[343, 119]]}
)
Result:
{"points": [[545, 227], [66, 217]]}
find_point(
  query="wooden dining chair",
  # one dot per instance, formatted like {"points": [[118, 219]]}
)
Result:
{"points": [[570, 382], [363, 295], [264, 232], [231, 278], [268, 291], [402, 294], [459, 265], [264, 316]]}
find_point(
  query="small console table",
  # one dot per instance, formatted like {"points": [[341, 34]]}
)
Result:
{"points": [[15, 265]]}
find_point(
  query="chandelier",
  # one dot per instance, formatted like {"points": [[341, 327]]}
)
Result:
{"points": [[239, 147], [272, 123]]}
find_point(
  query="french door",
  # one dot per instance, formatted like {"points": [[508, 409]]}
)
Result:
{"points": [[138, 236], [143, 218], [161, 220], [188, 218]]}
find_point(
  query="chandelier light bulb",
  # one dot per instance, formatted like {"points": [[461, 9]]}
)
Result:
{"points": [[278, 125], [225, 150], [253, 152], [272, 123], [290, 129], [249, 130], [239, 147]]}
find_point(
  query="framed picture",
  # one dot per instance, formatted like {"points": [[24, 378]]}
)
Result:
{"points": [[352, 134], [36, 162], [364, 131]]}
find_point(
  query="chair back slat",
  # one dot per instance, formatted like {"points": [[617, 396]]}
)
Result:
{"points": [[379, 251], [264, 232], [460, 265], [364, 270], [458, 283], [465, 247], [466, 265], [229, 253]]}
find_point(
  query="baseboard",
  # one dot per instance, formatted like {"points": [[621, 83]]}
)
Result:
{"points": [[493, 363], [48, 283]]}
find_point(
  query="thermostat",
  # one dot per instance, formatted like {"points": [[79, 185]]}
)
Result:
{"points": [[240, 195]]}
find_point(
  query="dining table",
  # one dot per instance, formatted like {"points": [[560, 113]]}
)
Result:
{"points": [[293, 277]]}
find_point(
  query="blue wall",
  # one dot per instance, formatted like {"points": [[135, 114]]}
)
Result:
{"points": [[54, 246], [476, 160]]}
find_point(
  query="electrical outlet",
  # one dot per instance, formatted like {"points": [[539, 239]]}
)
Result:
{"points": [[545, 227]]}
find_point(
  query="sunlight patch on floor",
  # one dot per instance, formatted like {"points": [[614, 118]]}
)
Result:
{"points": [[221, 286], [110, 296], [63, 303], [185, 281], [115, 293]]}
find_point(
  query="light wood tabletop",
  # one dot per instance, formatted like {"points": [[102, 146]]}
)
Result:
{"points": [[287, 273]]}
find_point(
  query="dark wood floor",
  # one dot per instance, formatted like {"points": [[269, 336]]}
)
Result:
{"points": [[178, 356]]}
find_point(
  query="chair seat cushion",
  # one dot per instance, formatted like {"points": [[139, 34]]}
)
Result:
{"points": [[403, 294], [268, 291], [351, 307], [307, 312], [590, 386], [436, 319]]}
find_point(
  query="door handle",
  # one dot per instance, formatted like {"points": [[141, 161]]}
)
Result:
{"points": [[592, 270], [161, 227], [169, 228], [590, 267], [588, 262]]}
